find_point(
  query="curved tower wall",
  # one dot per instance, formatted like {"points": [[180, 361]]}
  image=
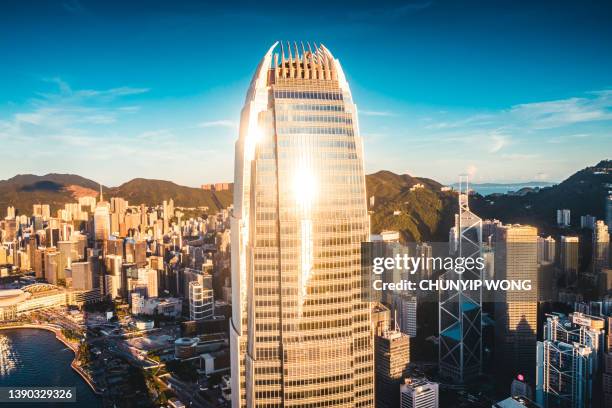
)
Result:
{"points": [[300, 335]]}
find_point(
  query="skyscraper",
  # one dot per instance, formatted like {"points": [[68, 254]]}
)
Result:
{"points": [[564, 374], [563, 217], [405, 308], [546, 250], [102, 228], [601, 247], [577, 328], [300, 334], [607, 378], [609, 212], [516, 312], [587, 221], [568, 256], [392, 359], [460, 311], [82, 276]]}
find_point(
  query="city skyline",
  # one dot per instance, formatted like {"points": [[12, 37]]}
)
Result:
{"points": [[302, 271], [114, 99]]}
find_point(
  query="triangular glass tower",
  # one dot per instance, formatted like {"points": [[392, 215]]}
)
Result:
{"points": [[460, 311]]}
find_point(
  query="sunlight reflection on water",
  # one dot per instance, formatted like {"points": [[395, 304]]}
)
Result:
{"points": [[8, 357]]}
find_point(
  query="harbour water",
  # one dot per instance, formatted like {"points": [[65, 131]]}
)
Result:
{"points": [[31, 357]]}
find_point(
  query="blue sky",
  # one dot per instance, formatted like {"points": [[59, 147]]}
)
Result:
{"points": [[503, 90]]}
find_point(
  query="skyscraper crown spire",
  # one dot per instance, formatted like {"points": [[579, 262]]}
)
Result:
{"points": [[302, 63]]}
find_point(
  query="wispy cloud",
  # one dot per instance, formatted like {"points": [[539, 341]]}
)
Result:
{"points": [[71, 132], [596, 106], [481, 119], [567, 138], [532, 117], [520, 156], [157, 134], [218, 123], [75, 140], [134, 108], [67, 114], [553, 137], [499, 141], [113, 92], [521, 125], [376, 113], [66, 94]]}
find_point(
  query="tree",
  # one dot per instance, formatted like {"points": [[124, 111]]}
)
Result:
{"points": [[84, 353]]}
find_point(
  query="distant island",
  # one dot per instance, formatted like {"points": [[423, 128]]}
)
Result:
{"points": [[503, 188]]}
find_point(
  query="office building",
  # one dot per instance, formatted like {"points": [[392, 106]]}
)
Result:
{"points": [[201, 301], [50, 266], [587, 221], [102, 228], [67, 253], [568, 360], [568, 256], [516, 316], [87, 201], [564, 374], [118, 205], [419, 393], [607, 378], [546, 250], [609, 212], [144, 280], [601, 247], [392, 357], [405, 311], [460, 311], [41, 210], [298, 221], [114, 285], [563, 217], [380, 318], [82, 276], [578, 328]]}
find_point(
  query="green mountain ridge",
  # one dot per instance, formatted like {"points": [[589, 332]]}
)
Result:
{"points": [[420, 214], [582, 193], [415, 206], [23, 191]]}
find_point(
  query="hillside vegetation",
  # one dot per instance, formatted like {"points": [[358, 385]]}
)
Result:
{"points": [[415, 206], [23, 191]]}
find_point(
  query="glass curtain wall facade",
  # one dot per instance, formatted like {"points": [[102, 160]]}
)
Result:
{"points": [[300, 334]]}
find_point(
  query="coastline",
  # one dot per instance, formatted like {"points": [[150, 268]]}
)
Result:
{"points": [[59, 336]]}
